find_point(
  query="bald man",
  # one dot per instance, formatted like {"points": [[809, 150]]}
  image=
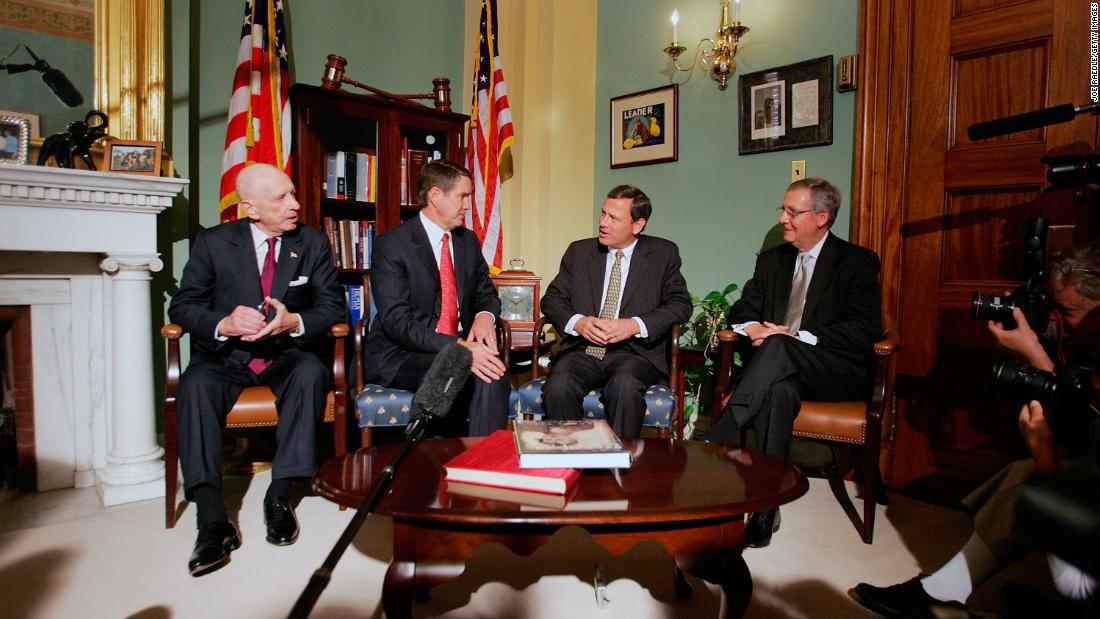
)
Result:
{"points": [[257, 297]]}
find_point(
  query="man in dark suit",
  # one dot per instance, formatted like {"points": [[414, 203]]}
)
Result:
{"points": [[431, 286], [257, 296], [812, 312], [615, 300]]}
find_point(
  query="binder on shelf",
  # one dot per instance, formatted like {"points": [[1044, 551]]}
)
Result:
{"points": [[351, 175], [341, 170], [355, 303], [330, 175]]}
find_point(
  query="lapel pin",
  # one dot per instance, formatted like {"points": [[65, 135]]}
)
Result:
{"points": [[293, 254]]}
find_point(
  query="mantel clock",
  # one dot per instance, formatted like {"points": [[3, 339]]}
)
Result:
{"points": [[519, 292]]}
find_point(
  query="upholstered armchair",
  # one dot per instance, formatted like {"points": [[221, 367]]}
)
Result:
{"points": [[661, 402], [856, 424], [255, 407]]}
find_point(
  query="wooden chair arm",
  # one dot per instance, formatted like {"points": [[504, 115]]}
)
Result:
{"points": [[538, 345], [727, 335], [504, 340], [171, 331]]}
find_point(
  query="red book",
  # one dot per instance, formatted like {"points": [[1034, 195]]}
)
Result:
{"points": [[493, 462]]}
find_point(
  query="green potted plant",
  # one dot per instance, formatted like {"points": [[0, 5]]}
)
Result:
{"points": [[702, 331]]}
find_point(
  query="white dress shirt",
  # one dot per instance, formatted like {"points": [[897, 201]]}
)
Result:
{"points": [[624, 270], [805, 336]]}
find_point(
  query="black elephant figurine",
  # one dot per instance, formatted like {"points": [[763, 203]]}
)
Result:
{"points": [[67, 146]]}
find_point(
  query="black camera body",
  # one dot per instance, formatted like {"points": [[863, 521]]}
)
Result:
{"points": [[1031, 297]]}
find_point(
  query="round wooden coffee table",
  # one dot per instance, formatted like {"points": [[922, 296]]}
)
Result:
{"points": [[690, 497]]}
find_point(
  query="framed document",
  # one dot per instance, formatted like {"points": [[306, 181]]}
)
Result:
{"points": [[787, 107]]}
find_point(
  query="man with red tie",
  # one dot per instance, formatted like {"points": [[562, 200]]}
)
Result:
{"points": [[431, 287], [257, 297]]}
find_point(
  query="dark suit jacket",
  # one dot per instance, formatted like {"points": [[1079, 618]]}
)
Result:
{"points": [[222, 274], [405, 287], [843, 306], [655, 291]]}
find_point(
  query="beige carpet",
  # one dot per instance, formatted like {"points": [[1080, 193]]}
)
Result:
{"points": [[63, 556]]}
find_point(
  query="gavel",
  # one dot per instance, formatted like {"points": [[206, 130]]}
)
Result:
{"points": [[334, 77]]}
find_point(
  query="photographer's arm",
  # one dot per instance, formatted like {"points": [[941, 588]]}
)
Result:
{"points": [[1039, 438], [1022, 342]]}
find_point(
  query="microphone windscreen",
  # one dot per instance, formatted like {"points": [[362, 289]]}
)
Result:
{"points": [[62, 87], [1022, 122], [444, 379]]}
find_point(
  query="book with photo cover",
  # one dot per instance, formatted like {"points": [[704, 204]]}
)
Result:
{"points": [[585, 444], [507, 495], [493, 462]]}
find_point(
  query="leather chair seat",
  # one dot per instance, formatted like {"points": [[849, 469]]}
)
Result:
{"points": [[255, 406], [833, 421]]}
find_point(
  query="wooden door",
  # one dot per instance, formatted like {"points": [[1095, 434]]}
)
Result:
{"points": [[948, 214]]}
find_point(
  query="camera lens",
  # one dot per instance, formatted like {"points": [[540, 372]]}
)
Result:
{"points": [[1013, 379]]}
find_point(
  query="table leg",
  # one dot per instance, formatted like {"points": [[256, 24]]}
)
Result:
{"points": [[725, 568], [397, 589]]}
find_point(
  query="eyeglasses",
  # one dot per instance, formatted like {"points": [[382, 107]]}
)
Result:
{"points": [[1064, 268], [791, 213]]}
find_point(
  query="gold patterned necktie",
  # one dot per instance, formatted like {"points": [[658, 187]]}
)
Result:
{"points": [[611, 303], [798, 292]]}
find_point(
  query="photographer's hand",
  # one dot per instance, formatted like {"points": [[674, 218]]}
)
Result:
{"points": [[1038, 436], [1022, 341]]}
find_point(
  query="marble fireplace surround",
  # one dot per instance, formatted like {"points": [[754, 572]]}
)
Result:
{"points": [[79, 248]]}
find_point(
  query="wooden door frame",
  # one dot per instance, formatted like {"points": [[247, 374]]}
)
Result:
{"points": [[881, 139]]}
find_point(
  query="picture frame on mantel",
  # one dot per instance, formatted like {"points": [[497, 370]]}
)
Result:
{"points": [[644, 127], [132, 157], [786, 107], [16, 131]]}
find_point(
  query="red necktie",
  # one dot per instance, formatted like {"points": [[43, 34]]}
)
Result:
{"points": [[448, 310], [267, 276]]}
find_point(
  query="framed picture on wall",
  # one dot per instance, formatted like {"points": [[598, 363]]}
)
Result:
{"points": [[644, 127], [787, 107], [132, 157], [16, 131]]}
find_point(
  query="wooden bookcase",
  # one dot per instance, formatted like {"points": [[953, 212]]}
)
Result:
{"points": [[327, 120]]}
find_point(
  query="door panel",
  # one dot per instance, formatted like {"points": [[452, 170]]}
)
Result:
{"points": [[964, 206]]}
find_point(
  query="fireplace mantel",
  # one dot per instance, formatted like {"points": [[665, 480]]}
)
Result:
{"points": [[91, 329]]}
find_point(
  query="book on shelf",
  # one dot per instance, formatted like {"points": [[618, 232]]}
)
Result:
{"points": [[508, 495], [362, 174], [355, 303], [584, 444], [493, 462]]}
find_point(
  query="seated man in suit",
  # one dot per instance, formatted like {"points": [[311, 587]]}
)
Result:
{"points": [[431, 286], [615, 300], [257, 296], [812, 313]]}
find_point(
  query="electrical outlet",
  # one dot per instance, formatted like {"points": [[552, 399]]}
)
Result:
{"points": [[798, 170]]}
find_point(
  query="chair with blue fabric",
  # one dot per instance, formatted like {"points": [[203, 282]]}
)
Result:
{"points": [[660, 399], [386, 407]]}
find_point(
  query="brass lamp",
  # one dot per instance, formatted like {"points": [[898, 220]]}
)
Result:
{"points": [[714, 55]]}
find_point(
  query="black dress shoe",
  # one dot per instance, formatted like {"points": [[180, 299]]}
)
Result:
{"points": [[282, 525], [761, 525], [216, 540], [907, 599]]}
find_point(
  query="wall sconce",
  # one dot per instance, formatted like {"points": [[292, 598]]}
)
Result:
{"points": [[714, 55]]}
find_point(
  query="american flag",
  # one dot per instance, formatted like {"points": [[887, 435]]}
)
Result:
{"points": [[489, 154], [259, 108]]}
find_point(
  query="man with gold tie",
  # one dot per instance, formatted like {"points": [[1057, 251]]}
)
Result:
{"points": [[615, 300], [812, 312]]}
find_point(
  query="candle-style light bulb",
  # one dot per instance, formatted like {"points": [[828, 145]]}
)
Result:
{"points": [[675, 20], [737, 11]]}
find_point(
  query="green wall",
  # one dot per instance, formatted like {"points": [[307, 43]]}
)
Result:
{"points": [[26, 92], [396, 46], [716, 205]]}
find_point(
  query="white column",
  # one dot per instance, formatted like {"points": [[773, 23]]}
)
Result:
{"points": [[135, 470]]}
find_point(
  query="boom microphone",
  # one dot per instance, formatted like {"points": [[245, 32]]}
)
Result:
{"points": [[57, 81], [1028, 120], [444, 379]]}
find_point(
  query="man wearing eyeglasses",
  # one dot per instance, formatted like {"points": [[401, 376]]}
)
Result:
{"points": [[812, 312]]}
